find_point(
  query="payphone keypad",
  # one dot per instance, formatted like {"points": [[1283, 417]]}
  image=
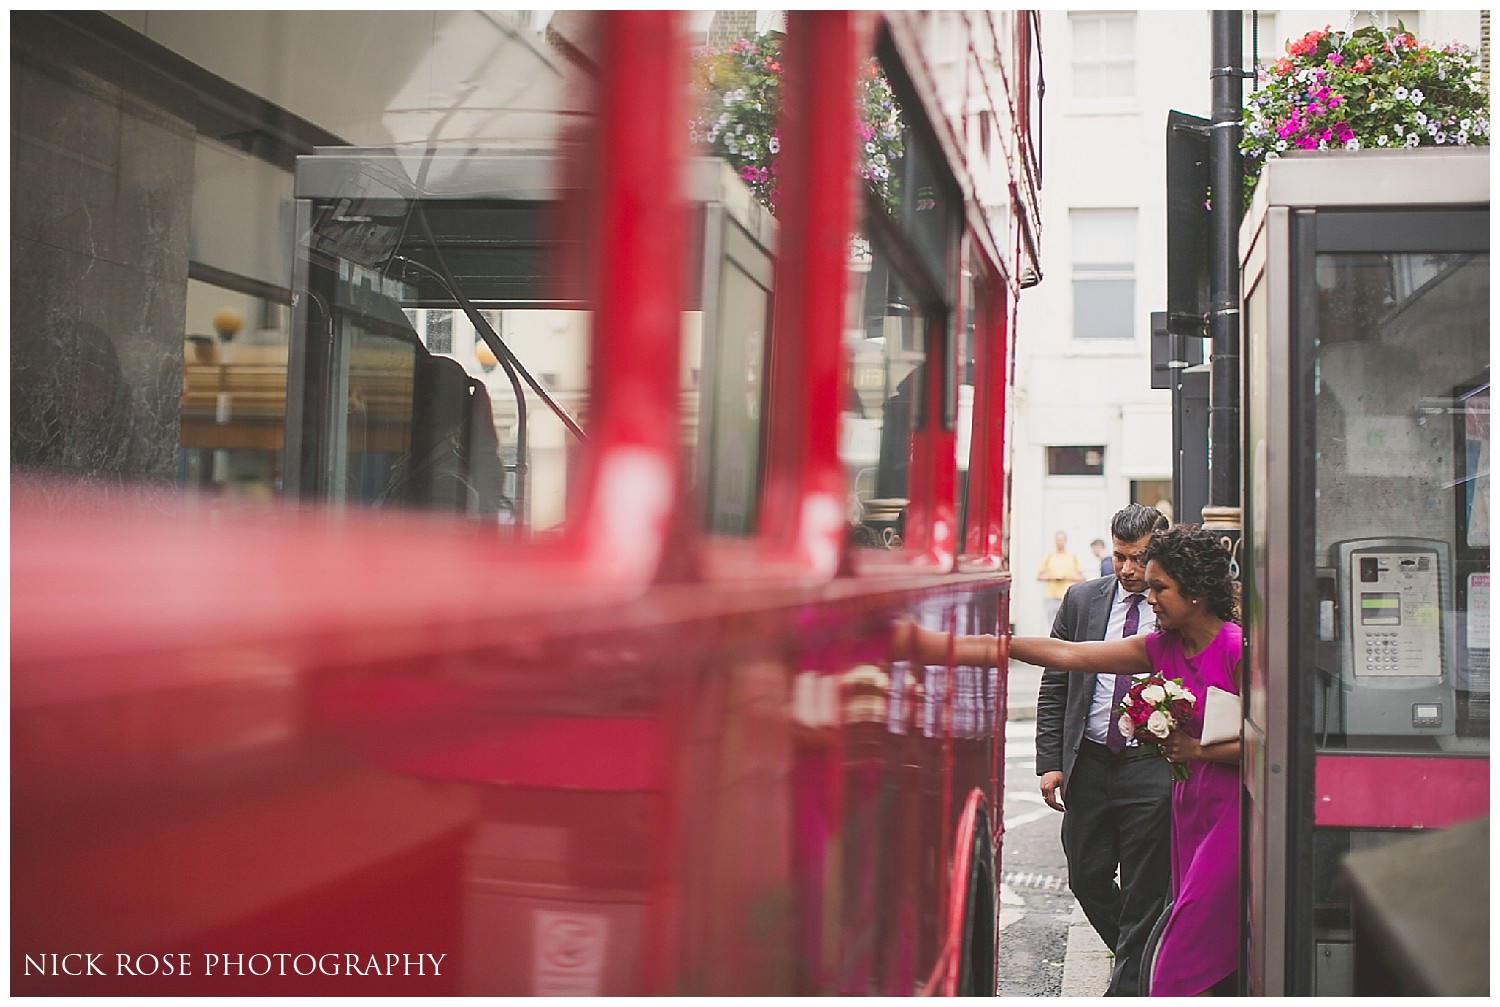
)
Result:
{"points": [[1396, 614]]}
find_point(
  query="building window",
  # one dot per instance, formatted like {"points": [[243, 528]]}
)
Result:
{"points": [[1103, 273], [1103, 55], [1153, 493], [1075, 461]]}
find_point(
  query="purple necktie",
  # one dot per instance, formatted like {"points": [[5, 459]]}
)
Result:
{"points": [[1115, 741]]}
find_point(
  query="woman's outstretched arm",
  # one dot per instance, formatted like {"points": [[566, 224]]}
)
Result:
{"points": [[1112, 657], [911, 642], [930, 646]]}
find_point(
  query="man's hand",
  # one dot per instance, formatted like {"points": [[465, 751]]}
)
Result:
{"points": [[1052, 790]]}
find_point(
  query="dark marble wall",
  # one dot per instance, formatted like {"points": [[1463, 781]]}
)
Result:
{"points": [[101, 192]]}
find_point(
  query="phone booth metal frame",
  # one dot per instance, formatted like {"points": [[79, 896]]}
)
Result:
{"points": [[1364, 274]]}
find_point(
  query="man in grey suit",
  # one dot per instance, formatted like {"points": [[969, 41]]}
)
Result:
{"points": [[1116, 797]]}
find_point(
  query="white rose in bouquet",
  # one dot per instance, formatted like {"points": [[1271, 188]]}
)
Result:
{"points": [[1154, 694], [1127, 726], [1160, 724], [1176, 691]]}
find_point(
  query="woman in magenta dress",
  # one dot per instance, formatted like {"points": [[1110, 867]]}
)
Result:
{"points": [[1197, 639]]}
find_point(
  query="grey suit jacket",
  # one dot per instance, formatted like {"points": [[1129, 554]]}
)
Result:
{"points": [[1062, 705]]}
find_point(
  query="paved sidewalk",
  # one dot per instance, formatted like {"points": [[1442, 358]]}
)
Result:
{"points": [[1087, 962]]}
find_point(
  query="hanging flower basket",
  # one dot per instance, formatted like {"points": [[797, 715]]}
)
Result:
{"points": [[739, 93], [1367, 88]]}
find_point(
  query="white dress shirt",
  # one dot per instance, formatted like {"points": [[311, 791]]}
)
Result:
{"points": [[1102, 707]]}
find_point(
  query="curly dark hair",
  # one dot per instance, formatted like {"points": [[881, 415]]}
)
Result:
{"points": [[1199, 563]]}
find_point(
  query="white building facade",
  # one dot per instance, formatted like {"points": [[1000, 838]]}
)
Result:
{"points": [[1090, 434]]}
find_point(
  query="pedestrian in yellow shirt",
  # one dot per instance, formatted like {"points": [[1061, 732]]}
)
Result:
{"points": [[1059, 571]]}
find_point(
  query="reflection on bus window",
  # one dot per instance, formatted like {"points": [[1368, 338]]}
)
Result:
{"points": [[884, 330], [443, 364], [233, 393]]}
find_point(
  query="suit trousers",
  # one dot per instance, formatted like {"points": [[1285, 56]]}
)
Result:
{"points": [[1119, 815]]}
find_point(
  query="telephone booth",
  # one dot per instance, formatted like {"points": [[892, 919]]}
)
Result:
{"points": [[1366, 286]]}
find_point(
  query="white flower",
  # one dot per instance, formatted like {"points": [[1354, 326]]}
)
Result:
{"points": [[1173, 687], [1153, 694], [1160, 724], [1413, 140], [1421, 118], [1417, 96], [1383, 140], [1353, 144], [775, 145], [1402, 93], [1127, 726], [1400, 129], [1461, 139], [1440, 136]]}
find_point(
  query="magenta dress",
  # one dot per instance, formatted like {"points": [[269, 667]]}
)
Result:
{"points": [[1198, 944]]}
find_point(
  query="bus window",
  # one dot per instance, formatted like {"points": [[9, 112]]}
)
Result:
{"points": [[438, 363], [887, 342], [896, 315], [726, 389]]}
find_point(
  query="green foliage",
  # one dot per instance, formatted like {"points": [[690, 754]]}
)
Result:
{"points": [[739, 90], [1367, 88]]}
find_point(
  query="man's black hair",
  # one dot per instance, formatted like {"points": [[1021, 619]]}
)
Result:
{"points": [[1134, 522]]}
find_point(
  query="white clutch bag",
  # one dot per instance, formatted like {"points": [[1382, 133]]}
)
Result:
{"points": [[1221, 716]]}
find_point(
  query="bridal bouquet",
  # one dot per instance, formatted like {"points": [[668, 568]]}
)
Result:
{"points": [[1153, 708]]}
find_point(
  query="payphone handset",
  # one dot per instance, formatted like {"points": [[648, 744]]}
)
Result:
{"points": [[1392, 604]]}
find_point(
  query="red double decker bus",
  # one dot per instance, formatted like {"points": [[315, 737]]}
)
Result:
{"points": [[457, 525]]}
